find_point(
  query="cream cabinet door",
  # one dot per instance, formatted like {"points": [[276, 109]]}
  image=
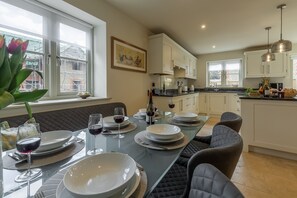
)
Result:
{"points": [[167, 59], [217, 103], [203, 103], [253, 64], [234, 103]]}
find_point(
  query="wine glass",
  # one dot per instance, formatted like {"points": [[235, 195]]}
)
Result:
{"points": [[171, 105], [95, 127], [28, 139], [119, 117]]}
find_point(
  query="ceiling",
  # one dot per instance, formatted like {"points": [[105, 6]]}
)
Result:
{"points": [[230, 24]]}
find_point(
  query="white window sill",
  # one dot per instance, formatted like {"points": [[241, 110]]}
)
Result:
{"points": [[51, 105]]}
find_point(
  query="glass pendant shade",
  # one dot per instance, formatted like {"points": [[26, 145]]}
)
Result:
{"points": [[268, 56], [281, 45]]}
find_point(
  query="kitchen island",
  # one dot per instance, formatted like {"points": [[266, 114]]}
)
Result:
{"points": [[269, 125]]}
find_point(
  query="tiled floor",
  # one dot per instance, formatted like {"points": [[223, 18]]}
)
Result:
{"points": [[262, 176]]}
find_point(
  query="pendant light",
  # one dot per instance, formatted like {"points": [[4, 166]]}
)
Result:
{"points": [[281, 45], [267, 57]]}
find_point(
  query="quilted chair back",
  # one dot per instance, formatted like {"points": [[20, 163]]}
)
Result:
{"points": [[72, 119], [208, 181], [231, 120], [224, 152]]}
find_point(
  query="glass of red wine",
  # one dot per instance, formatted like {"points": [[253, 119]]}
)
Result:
{"points": [[171, 105], [119, 117], [28, 139], [95, 127]]}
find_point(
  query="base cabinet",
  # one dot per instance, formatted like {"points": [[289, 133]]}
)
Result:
{"points": [[187, 103], [215, 104]]}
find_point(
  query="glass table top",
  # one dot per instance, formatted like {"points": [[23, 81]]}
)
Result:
{"points": [[155, 162]]}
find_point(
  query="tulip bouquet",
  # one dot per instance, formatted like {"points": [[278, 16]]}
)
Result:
{"points": [[12, 75]]}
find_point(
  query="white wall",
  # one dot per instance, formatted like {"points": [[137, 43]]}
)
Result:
{"points": [[247, 82], [125, 86]]}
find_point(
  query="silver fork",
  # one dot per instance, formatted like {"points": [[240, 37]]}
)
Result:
{"points": [[39, 194], [157, 147]]}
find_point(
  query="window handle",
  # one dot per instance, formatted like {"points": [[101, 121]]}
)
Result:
{"points": [[48, 57], [58, 61]]}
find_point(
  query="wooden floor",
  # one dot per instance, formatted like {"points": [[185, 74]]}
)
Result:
{"points": [[262, 176]]}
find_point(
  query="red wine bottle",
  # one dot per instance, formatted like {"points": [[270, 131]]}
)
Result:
{"points": [[150, 110]]}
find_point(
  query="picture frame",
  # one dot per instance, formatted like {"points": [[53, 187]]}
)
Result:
{"points": [[127, 56]]}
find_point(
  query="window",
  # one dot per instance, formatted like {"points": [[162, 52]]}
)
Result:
{"points": [[226, 73], [59, 46]]}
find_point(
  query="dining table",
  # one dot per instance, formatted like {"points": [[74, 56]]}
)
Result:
{"points": [[155, 162]]}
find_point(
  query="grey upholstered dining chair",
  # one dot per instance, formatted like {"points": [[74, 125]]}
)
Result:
{"points": [[223, 152], [230, 119], [208, 181]]}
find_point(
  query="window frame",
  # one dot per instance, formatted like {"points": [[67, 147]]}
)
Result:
{"points": [[51, 20], [223, 73]]}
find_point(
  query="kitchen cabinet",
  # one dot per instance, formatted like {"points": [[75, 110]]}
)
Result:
{"points": [[254, 67], [160, 55], [234, 103], [188, 103], [269, 126], [167, 57], [217, 103], [214, 104]]}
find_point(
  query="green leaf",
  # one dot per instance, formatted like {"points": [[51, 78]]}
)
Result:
{"points": [[29, 96], [19, 79], [5, 75], [6, 99], [16, 60], [2, 54]]}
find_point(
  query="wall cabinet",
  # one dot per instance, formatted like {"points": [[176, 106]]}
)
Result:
{"points": [[188, 103], [160, 55], [215, 104], [167, 57], [254, 67]]}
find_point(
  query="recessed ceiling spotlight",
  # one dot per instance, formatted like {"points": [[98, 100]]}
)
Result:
{"points": [[213, 46], [203, 26]]}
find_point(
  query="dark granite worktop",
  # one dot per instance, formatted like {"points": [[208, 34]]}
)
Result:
{"points": [[267, 98], [174, 92]]}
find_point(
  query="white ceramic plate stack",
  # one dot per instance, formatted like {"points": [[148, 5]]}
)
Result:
{"points": [[163, 133], [186, 117], [103, 175], [53, 141], [109, 123]]}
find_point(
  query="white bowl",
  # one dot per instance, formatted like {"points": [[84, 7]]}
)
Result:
{"points": [[185, 116], [102, 175], [163, 131], [53, 139]]}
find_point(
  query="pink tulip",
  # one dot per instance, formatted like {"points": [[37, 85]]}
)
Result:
{"points": [[2, 41], [15, 43]]}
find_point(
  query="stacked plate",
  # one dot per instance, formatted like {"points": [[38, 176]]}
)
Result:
{"points": [[163, 133], [53, 141], [109, 123], [186, 118], [103, 175]]}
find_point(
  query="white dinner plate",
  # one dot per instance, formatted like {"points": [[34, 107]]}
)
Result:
{"points": [[109, 122], [53, 139], [185, 116], [62, 192], [48, 152], [163, 131], [178, 137]]}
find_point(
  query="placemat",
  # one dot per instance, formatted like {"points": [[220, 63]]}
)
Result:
{"points": [[131, 127], [180, 123], [49, 188], [39, 161], [140, 139]]}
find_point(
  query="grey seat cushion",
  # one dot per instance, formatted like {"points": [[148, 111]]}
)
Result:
{"points": [[173, 183], [209, 182]]}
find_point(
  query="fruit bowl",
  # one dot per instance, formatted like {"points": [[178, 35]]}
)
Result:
{"points": [[83, 95]]}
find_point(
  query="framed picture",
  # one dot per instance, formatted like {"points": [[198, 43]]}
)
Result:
{"points": [[127, 56]]}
